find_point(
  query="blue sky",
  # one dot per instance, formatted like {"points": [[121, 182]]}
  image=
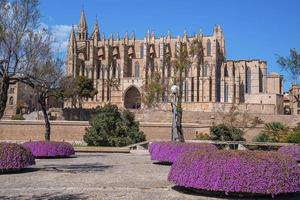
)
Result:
{"points": [[257, 29]]}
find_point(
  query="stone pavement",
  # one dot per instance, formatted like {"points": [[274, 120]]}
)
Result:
{"points": [[96, 176]]}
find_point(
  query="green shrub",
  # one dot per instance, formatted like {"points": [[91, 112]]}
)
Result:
{"points": [[112, 127], [17, 117], [222, 132], [294, 135], [261, 137], [202, 136]]}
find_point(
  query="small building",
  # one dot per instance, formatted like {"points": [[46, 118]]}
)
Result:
{"points": [[21, 100], [293, 97]]}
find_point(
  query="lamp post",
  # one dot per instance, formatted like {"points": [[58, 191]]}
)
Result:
{"points": [[174, 134]]}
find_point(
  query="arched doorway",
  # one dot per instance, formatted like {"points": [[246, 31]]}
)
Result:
{"points": [[132, 98]]}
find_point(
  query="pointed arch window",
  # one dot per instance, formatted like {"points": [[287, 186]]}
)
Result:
{"points": [[260, 79], [225, 71], [142, 50], [205, 70], [119, 70], [11, 101], [82, 69], [114, 68], [137, 70], [225, 92], [103, 68], [248, 80], [208, 48], [98, 71]]}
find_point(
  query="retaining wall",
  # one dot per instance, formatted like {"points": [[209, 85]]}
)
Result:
{"points": [[73, 131]]}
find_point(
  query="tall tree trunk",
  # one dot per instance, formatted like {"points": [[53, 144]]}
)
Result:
{"points": [[3, 94], [42, 102], [179, 109]]}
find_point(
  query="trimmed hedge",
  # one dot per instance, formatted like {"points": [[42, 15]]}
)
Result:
{"points": [[291, 150], [45, 149], [249, 172], [14, 157], [170, 151]]}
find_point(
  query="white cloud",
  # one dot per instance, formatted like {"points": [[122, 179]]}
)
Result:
{"points": [[61, 36]]}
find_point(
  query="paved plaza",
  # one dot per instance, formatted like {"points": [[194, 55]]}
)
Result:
{"points": [[96, 176]]}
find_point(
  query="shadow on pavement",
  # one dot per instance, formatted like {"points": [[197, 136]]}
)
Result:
{"points": [[77, 168], [162, 163], [211, 194], [53, 196], [20, 171]]}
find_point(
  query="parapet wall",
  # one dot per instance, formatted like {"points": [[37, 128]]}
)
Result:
{"points": [[73, 131], [155, 124]]}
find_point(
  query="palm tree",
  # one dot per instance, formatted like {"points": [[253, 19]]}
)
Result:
{"points": [[275, 131], [112, 83]]}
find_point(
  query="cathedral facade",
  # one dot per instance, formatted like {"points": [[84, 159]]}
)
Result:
{"points": [[214, 85]]}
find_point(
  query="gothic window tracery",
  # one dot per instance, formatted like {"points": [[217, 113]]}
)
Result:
{"points": [[142, 50], [98, 71], [208, 48], [205, 69], [137, 70], [225, 71], [225, 92], [260, 74], [248, 80]]}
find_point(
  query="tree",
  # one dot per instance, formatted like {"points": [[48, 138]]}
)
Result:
{"points": [[112, 127], [45, 78], [239, 119], [222, 132], [153, 90], [291, 64], [275, 131], [20, 42], [111, 83], [183, 61], [77, 89]]}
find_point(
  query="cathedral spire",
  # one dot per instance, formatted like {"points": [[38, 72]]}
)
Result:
{"points": [[126, 39], [118, 36], [96, 35], [82, 27], [148, 36], [185, 36], [169, 34], [133, 35], [71, 52], [82, 21], [153, 37], [103, 36], [72, 35]]}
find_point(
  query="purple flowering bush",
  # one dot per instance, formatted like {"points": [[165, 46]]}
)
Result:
{"points": [[45, 149], [291, 150], [170, 151], [14, 157], [248, 172]]}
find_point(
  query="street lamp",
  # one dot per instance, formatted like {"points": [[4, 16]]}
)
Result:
{"points": [[174, 134]]}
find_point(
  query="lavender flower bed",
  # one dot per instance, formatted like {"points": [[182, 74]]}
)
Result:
{"points": [[291, 150], [14, 157], [170, 151], [247, 172], [44, 149]]}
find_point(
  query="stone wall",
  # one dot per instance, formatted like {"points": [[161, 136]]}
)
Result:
{"points": [[155, 124], [73, 131]]}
